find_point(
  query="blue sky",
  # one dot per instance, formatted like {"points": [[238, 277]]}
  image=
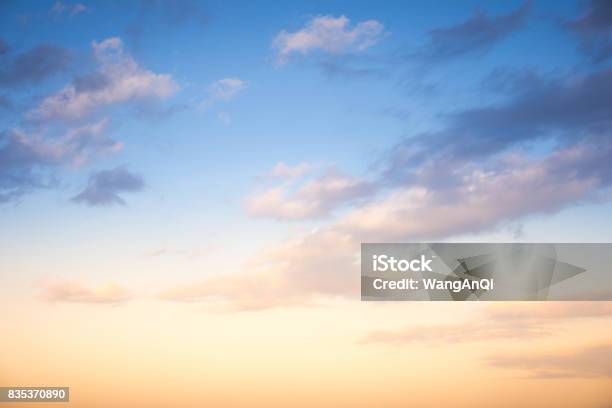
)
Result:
{"points": [[257, 124]]}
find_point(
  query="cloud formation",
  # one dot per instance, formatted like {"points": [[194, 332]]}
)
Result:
{"points": [[32, 66], [477, 34], [594, 29], [119, 79], [27, 159], [73, 292], [327, 34], [304, 269], [303, 199], [104, 187], [566, 109], [67, 128], [471, 176]]}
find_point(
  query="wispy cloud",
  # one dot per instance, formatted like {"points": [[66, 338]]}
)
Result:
{"points": [[284, 171], [549, 311], [311, 198], [594, 29], [327, 34], [460, 333], [223, 90], [477, 34], [104, 187], [59, 9], [588, 362], [74, 292], [498, 322]]}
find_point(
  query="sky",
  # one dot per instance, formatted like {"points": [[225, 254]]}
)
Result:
{"points": [[184, 187]]}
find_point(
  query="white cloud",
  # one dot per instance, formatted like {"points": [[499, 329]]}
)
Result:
{"points": [[119, 79], [223, 90], [328, 34], [302, 199], [284, 171], [324, 263]]}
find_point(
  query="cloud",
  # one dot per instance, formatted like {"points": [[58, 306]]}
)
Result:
{"points": [[313, 198], [104, 187], [460, 333], [298, 272], [482, 199], [119, 79], [501, 321], [486, 166], [594, 29], [324, 262], [327, 34], [62, 131], [78, 144], [20, 161], [32, 66], [223, 90], [549, 311], [477, 34], [78, 9], [73, 292], [59, 8], [225, 117], [563, 109], [589, 362], [470, 177], [284, 171], [26, 160], [188, 252]]}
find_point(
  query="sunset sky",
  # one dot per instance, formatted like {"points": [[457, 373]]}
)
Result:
{"points": [[184, 187]]}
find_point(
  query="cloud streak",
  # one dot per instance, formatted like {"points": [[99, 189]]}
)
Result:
{"points": [[589, 362], [477, 34], [73, 292]]}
